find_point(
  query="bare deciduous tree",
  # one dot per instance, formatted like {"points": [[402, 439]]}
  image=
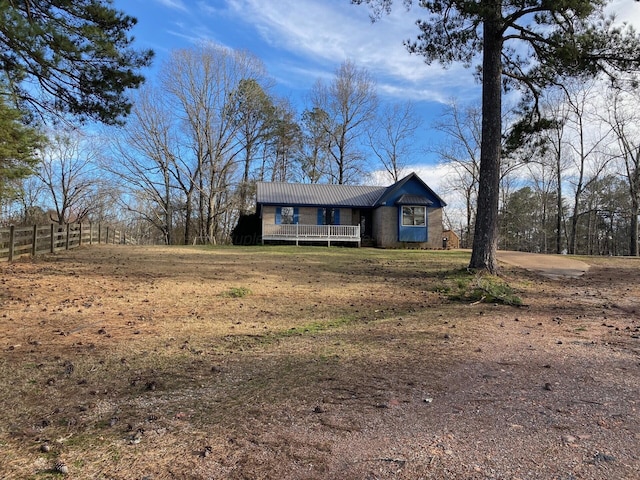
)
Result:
{"points": [[462, 153], [392, 138], [145, 162], [316, 144], [68, 171], [350, 102], [586, 147], [200, 83], [624, 118]]}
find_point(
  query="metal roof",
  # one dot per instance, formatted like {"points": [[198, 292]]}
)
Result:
{"points": [[316, 194], [414, 200]]}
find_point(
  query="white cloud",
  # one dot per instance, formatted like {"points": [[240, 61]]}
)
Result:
{"points": [[174, 4], [327, 33]]}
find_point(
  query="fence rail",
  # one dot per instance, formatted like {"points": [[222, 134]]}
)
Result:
{"points": [[39, 239]]}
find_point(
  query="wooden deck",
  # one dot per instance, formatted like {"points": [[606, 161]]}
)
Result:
{"points": [[311, 233]]}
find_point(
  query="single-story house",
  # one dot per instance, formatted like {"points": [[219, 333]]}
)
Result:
{"points": [[405, 214]]}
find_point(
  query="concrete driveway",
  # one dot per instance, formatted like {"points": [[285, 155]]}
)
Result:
{"points": [[553, 266]]}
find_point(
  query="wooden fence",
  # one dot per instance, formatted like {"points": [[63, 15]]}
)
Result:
{"points": [[39, 239]]}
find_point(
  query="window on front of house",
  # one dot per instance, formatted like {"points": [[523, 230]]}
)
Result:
{"points": [[328, 216], [413, 216], [286, 216]]}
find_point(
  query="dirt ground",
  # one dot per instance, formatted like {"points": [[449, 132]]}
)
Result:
{"points": [[188, 363]]}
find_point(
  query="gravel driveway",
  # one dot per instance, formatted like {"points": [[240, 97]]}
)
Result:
{"points": [[552, 266]]}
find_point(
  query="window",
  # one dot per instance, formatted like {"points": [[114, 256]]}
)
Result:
{"points": [[328, 216], [287, 215], [413, 216]]}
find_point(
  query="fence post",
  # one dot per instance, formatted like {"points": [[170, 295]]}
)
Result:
{"points": [[106, 240], [66, 243], [99, 233], [52, 241], [12, 240], [90, 233], [34, 245], [80, 237]]}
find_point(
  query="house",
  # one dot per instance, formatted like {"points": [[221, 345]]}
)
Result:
{"points": [[405, 214], [450, 239]]}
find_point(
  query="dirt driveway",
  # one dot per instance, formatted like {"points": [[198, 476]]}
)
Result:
{"points": [[551, 266]]}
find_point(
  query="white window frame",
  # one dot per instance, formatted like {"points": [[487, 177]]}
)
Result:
{"points": [[413, 215]]}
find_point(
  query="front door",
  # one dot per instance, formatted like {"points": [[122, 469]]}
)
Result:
{"points": [[366, 225]]}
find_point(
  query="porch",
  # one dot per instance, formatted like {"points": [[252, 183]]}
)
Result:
{"points": [[311, 233]]}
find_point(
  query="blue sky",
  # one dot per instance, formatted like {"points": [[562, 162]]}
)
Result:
{"points": [[301, 41]]}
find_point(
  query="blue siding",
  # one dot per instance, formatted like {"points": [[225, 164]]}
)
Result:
{"points": [[412, 233], [336, 216], [416, 234]]}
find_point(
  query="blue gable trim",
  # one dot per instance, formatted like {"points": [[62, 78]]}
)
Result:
{"points": [[410, 185]]}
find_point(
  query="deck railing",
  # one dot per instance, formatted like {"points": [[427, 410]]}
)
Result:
{"points": [[311, 233]]}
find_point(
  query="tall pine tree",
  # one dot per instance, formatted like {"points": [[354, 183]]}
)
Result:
{"points": [[525, 43]]}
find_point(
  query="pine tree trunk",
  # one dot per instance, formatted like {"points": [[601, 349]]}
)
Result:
{"points": [[485, 240]]}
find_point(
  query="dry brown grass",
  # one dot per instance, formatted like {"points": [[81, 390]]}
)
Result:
{"points": [[283, 362]]}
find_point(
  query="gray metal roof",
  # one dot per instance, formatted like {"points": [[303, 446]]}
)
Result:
{"points": [[315, 194], [413, 200]]}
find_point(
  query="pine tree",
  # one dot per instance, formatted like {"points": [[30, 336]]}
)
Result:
{"points": [[527, 44], [69, 57], [18, 149]]}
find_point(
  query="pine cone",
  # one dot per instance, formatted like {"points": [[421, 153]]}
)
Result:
{"points": [[61, 467]]}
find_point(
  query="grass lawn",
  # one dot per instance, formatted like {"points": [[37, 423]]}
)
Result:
{"points": [[276, 362]]}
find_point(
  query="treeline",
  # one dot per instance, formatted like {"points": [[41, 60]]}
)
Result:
{"points": [[570, 176], [183, 168], [198, 138]]}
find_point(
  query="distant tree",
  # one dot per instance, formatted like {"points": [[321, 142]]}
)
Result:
{"points": [[392, 138], [603, 219], [350, 102], [283, 143], [316, 144], [29, 198], [542, 173], [144, 162], [624, 118], [253, 112], [461, 152], [68, 172], [199, 86], [18, 150], [70, 57], [530, 44], [587, 147], [520, 221]]}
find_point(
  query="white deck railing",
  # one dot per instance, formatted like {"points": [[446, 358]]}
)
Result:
{"points": [[311, 233]]}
